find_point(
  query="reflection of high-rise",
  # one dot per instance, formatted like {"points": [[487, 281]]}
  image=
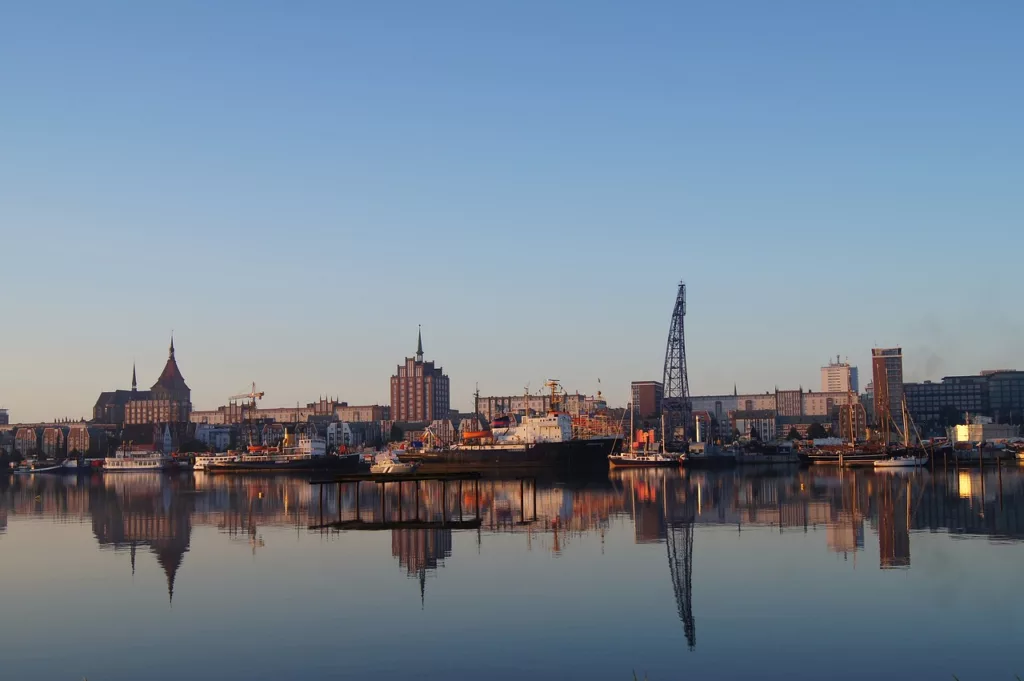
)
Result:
{"points": [[846, 533], [893, 523], [128, 513], [420, 551]]}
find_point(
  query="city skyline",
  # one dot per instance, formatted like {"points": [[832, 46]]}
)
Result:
{"points": [[610, 393], [295, 191]]}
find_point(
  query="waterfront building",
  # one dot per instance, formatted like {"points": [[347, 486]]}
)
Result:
{"points": [[419, 390], [53, 442], [27, 440], [839, 377], [763, 420], [5, 418], [944, 403], [366, 413], [887, 377], [1006, 395], [215, 437], [575, 404], [236, 413], [824, 404], [983, 430], [646, 398], [789, 402], [87, 440]]}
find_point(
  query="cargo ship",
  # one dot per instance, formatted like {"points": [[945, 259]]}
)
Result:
{"points": [[524, 442]]}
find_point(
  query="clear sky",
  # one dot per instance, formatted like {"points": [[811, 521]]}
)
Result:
{"points": [[293, 186]]}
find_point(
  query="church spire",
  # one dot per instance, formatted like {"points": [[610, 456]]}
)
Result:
{"points": [[135, 383], [419, 345], [171, 354]]}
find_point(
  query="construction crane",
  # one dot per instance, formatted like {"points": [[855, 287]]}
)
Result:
{"points": [[252, 396]]}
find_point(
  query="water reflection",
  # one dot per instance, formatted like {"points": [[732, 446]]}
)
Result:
{"points": [[157, 514]]}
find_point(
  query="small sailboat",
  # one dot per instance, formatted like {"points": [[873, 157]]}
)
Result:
{"points": [[644, 457], [913, 456]]}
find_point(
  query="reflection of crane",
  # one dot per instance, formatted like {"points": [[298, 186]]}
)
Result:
{"points": [[679, 543]]}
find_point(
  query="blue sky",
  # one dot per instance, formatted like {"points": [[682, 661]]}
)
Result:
{"points": [[293, 187]]}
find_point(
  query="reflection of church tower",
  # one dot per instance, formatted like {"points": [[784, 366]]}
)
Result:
{"points": [[134, 512], [420, 551]]}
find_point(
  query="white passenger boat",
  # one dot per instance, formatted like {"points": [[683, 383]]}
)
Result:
{"points": [[387, 463], [128, 461], [204, 461]]}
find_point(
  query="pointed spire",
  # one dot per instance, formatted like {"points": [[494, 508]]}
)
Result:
{"points": [[135, 383], [735, 392], [419, 344], [172, 345]]}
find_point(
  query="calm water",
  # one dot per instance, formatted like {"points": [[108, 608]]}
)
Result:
{"points": [[702, 575]]}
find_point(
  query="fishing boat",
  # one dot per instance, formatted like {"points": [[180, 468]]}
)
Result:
{"points": [[645, 457], [387, 463], [32, 466]]}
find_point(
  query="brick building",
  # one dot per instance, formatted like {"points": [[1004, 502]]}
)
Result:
{"points": [[419, 390]]}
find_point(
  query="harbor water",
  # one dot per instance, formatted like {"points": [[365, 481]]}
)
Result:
{"points": [[785, 573]]}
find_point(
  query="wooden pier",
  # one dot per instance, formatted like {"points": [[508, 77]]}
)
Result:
{"points": [[456, 522]]}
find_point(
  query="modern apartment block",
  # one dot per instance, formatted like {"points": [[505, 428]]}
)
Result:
{"points": [[887, 377], [646, 398], [839, 377]]}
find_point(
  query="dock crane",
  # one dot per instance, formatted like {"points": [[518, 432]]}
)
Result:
{"points": [[252, 396]]}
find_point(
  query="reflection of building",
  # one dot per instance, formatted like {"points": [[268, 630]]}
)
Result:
{"points": [[419, 390], [893, 523], [420, 551], [846, 534], [133, 513]]}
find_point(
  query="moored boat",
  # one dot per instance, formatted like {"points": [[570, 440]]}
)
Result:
{"points": [[388, 463], [203, 461], [908, 460], [129, 461]]}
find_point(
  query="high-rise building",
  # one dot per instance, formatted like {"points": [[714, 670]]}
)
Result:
{"points": [[5, 419], [419, 390], [839, 377], [887, 377], [646, 398]]}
